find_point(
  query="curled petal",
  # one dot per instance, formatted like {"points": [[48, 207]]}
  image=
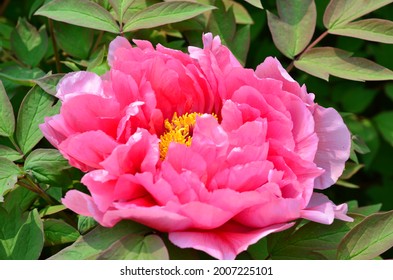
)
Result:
{"points": [[79, 83], [322, 210], [224, 243], [333, 147]]}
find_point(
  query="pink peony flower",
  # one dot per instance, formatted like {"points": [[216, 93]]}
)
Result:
{"points": [[195, 145]]}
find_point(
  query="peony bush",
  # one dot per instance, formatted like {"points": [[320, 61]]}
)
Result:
{"points": [[195, 145], [219, 129]]}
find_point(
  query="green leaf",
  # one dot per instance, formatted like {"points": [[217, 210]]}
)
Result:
{"points": [[255, 3], [29, 44], [77, 48], [325, 61], [135, 247], [59, 232], [104, 242], [21, 237], [47, 165], [222, 22], [311, 240], [242, 16], [85, 224], [9, 173], [98, 64], [19, 199], [377, 30], [164, 13], [50, 210], [351, 169], [10, 154], [258, 251], [368, 239], [7, 118], [36, 105], [120, 7], [367, 210], [49, 82], [293, 30], [80, 12], [384, 123], [22, 76], [340, 12]]}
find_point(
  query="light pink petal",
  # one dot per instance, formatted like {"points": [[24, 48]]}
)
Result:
{"points": [[56, 130], [117, 43], [223, 243], [79, 83], [81, 203], [322, 210], [333, 147], [87, 150]]}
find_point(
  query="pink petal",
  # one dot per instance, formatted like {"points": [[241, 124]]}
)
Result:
{"points": [[333, 147], [322, 210], [79, 83], [118, 43], [87, 150], [223, 243]]}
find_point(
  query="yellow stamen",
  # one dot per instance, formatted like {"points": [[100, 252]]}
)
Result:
{"points": [[178, 130]]}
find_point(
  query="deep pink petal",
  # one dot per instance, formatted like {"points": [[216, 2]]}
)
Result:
{"points": [[221, 243], [87, 150]]}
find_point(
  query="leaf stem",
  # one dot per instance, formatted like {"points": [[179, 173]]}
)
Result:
{"points": [[313, 44], [98, 41], [27, 182], [55, 49]]}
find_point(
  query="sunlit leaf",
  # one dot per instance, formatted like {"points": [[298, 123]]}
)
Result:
{"points": [[325, 61], [164, 13], [34, 108], [120, 7], [340, 12], [50, 210], [9, 173], [10, 154], [7, 118], [368, 239], [126, 240], [294, 28], [378, 30], [28, 43], [255, 3], [49, 82], [80, 12]]}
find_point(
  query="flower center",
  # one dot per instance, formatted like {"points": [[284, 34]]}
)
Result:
{"points": [[178, 130]]}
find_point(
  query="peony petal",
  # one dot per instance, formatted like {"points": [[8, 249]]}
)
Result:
{"points": [[86, 154], [79, 83], [118, 43], [322, 210], [221, 243], [333, 147]]}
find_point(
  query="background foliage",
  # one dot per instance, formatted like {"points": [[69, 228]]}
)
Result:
{"points": [[341, 49]]}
